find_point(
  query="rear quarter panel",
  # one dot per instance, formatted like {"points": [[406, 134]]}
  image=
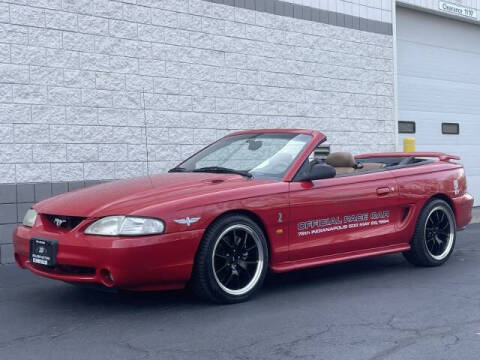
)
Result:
{"points": [[418, 184]]}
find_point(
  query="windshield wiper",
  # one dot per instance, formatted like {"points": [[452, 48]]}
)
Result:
{"points": [[177, 169], [223, 170]]}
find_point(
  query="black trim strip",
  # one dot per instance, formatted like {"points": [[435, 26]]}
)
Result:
{"points": [[387, 168], [303, 12]]}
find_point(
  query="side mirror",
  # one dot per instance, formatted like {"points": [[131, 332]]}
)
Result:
{"points": [[317, 172]]}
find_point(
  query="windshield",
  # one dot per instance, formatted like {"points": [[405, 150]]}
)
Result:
{"points": [[261, 155]]}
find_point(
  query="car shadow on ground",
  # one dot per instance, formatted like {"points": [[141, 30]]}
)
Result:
{"points": [[340, 272], [275, 284]]}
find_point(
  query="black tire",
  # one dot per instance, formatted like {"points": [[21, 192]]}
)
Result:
{"points": [[433, 241], [210, 275]]}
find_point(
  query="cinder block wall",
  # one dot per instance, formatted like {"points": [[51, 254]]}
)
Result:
{"points": [[95, 90]]}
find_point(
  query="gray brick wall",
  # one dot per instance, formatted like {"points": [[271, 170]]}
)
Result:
{"points": [[93, 90], [16, 199]]}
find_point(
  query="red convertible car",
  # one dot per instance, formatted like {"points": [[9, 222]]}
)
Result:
{"points": [[251, 202]]}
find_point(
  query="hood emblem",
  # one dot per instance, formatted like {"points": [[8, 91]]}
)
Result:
{"points": [[187, 221], [59, 222]]}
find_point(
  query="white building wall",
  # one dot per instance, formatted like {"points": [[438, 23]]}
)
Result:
{"points": [[75, 76]]}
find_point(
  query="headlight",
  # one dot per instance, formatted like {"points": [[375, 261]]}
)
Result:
{"points": [[125, 225], [30, 217]]}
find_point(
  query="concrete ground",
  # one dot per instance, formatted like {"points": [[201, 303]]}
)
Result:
{"points": [[381, 308], [475, 215]]}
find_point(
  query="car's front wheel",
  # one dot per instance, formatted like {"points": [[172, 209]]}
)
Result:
{"points": [[231, 261], [435, 235]]}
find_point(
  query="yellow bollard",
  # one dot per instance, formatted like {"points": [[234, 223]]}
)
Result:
{"points": [[409, 144]]}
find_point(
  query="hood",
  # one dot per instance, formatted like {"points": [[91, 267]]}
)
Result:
{"points": [[127, 197]]}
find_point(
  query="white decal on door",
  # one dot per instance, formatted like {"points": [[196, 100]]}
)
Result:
{"points": [[336, 223]]}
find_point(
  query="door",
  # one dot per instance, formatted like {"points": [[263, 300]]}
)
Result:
{"points": [[439, 83], [343, 214]]}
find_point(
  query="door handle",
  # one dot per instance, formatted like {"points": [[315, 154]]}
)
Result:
{"points": [[383, 191]]}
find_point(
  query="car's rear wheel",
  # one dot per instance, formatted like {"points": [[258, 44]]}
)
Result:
{"points": [[435, 235], [231, 261]]}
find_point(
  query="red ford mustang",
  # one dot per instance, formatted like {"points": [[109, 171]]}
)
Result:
{"points": [[251, 202]]}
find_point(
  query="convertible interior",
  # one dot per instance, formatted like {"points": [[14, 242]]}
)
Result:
{"points": [[345, 163]]}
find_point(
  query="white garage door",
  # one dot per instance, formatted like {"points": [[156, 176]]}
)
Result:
{"points": [[439, 82]]}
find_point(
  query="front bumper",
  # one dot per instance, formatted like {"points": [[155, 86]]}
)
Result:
{"points": [[159, 262]]}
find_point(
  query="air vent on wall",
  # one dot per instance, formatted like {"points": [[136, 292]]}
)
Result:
{"points": [[451, 128]]}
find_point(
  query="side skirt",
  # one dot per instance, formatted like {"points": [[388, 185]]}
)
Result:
{"points": [[336, 258]]}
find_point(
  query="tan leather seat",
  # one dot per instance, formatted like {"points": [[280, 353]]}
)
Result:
{"points": [[343, 162], [371, 166]]}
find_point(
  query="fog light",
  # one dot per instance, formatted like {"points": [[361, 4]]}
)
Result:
{"points": [[107, 278]]}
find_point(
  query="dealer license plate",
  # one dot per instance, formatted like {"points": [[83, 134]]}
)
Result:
{"points": [[43, 252]]}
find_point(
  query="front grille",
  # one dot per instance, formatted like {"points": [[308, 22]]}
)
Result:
{"points": [[64, 222], [75, 270], [66, 269]]}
